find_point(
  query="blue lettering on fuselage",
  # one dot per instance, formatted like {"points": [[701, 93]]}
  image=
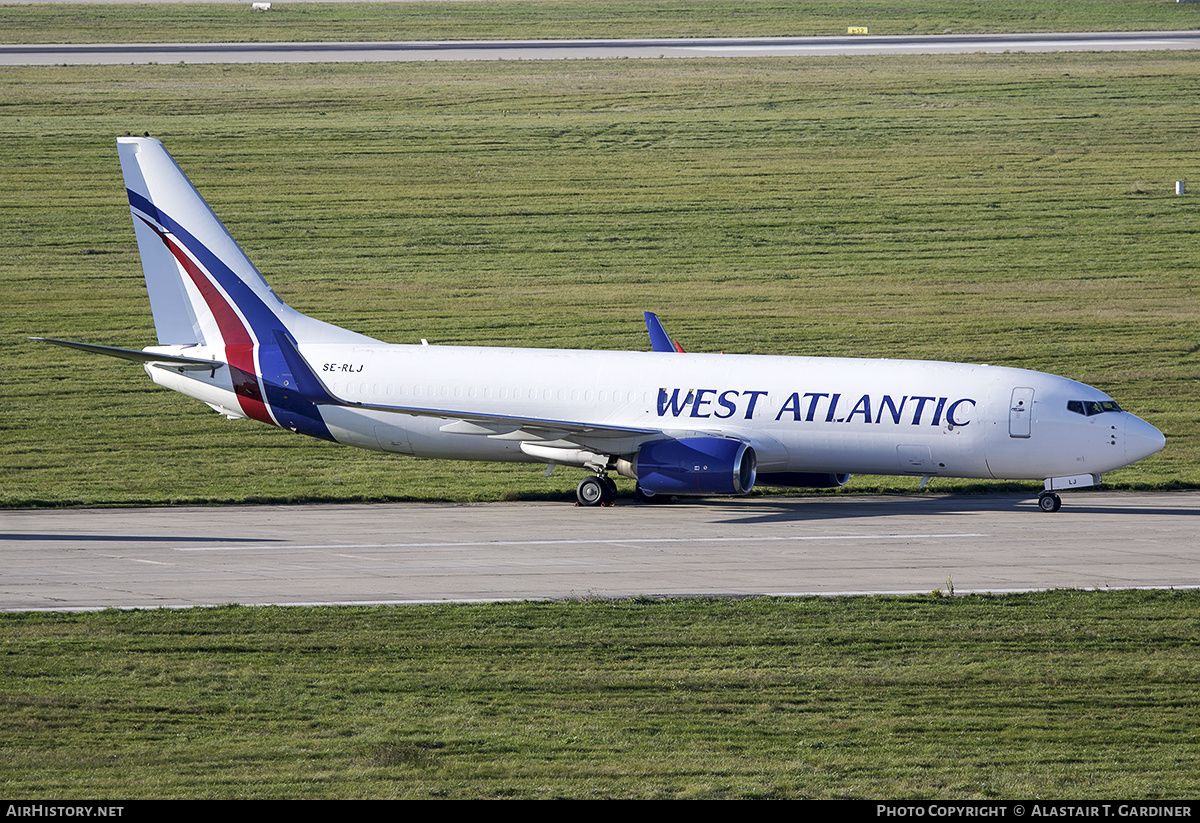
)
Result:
{"points": [[809, 407], [706, 403]]}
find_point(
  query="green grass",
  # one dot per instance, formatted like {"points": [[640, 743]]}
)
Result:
{"points": [[1015, 210], [550, 19], [1060, 694]]}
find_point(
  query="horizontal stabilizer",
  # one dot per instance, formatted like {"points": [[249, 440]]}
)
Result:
{"points": [[138, 355]]}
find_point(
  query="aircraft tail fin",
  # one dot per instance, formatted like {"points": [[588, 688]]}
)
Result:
{"points": [[203, 288], [205, 293]]}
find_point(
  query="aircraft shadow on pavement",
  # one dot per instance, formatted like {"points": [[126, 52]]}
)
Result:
{"points": [[846, 508]]}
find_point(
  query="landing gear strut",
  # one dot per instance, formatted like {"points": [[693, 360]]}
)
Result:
{"points": [[1049, 502], [597, 490]]}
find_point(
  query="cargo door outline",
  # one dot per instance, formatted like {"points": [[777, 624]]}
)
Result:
{"points": [[1020, 413]]}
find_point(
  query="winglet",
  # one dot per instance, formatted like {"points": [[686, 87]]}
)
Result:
{"points": [[659, 339]]}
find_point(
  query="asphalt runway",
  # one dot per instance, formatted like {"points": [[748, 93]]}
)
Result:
{"points": [[117, 53], [415, 553]]}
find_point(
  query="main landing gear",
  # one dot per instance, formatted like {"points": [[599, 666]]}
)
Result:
{"points": [[1049, 502], [597, 490], [600, 490]]}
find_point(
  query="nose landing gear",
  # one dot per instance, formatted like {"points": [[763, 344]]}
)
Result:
{"points": [[1049, 502]]}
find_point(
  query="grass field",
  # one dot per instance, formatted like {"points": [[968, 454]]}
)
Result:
{"points": [[1054, 695], [550, 19], [1016, 210]]}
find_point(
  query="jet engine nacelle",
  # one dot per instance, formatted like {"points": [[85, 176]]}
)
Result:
{"points": [[693, 465], [804, 480]]}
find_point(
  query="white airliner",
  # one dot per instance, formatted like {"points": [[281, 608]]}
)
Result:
{"points": [[676, 424]]}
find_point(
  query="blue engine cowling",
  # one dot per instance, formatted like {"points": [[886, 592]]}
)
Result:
{"points": [[696, 465], [803, 480]]}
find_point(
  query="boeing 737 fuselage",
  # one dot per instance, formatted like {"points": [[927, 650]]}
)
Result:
{"points": [[676, 424]]}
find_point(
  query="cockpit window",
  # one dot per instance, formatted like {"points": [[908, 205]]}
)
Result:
{"points": [[1089, 408]]}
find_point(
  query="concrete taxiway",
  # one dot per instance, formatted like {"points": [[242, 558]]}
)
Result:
{"points": [[407, 553], [118, 53]]}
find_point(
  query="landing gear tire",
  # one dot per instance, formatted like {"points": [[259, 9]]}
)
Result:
{"points": [[1049, 502], [596, 491], [611, 485]]}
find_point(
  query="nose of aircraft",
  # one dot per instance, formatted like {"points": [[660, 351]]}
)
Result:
{"points": [[1141, 439]]}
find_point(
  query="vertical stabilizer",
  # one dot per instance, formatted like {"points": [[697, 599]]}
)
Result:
{"points": [[203, 289]]}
